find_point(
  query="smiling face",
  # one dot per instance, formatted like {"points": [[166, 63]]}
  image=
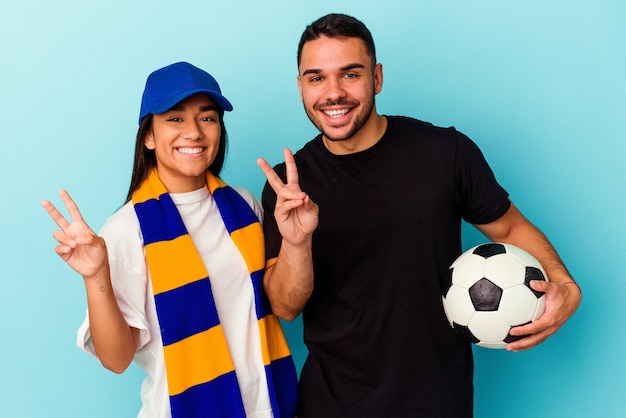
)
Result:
{"points": [[338, 81], [185, 140]]}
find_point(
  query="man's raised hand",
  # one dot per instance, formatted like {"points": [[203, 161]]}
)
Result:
{"points": [[295, 213]]}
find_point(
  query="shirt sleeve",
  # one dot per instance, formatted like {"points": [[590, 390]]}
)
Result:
{"points": [[129, 276], [481, 198]]}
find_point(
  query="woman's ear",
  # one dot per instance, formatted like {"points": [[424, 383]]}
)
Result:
{"points": [[149, 140]]}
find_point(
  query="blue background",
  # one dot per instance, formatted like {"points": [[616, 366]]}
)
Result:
{"points": [[540, 86]]}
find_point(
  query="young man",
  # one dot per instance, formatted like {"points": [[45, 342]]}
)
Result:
{"points": [[390, 193]]}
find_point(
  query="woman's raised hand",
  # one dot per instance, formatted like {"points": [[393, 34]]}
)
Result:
{"points": [[79, 246]]}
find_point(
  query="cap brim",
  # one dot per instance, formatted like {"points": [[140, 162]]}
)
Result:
{"points": [[221, 101]]}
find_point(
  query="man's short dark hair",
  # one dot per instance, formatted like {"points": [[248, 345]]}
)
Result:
{"points": [[336, 25]]}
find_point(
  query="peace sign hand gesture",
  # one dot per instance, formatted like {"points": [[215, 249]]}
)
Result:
{"points": [[79, 246], [295, 213]]}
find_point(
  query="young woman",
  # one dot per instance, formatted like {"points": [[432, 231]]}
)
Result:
{"points": [[174, 281]]}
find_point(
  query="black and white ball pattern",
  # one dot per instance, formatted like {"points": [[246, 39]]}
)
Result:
{"points": [[488, 293]]}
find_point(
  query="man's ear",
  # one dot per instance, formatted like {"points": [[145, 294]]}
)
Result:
{"points": [[300, 88], [378, 78]]}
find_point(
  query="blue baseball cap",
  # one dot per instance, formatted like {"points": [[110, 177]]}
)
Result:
{"points": [[169, 85]]}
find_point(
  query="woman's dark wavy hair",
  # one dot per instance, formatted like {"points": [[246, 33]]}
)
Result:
{"points": [[145, 159], [337, 25]]}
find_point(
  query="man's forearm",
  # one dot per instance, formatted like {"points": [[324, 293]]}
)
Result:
{"points": [[288, 280]]}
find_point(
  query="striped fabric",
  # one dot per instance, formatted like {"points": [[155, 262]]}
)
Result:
{"points": [[200, 372]]}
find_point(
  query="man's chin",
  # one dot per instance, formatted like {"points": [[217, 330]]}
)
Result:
{"points": [[336, 135], [334, 139]]}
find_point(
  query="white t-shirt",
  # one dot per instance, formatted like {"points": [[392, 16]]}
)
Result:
{"points": [[232, 291]]}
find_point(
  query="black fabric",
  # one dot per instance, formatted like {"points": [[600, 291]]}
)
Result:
{"points": [[389, 228]]}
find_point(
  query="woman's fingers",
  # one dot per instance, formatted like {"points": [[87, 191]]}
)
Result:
{"points": [[55, 215]]}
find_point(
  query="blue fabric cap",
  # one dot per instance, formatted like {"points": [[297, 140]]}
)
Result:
{"points": [[169, 85]]}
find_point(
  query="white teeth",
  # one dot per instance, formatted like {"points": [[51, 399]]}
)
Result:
{"points": [[336, 113], [196, 150]]}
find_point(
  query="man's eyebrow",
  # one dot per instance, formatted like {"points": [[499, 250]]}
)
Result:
{"points": [[352, 66], [347, 67], [311, 71]]}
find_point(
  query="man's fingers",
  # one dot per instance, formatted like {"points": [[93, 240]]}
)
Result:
{"points": [[270, 174], [281, 189], [288, 191], [265, 167], [290, 165]]}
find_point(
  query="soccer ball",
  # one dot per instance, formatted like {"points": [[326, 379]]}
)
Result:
{"points": [[488, 292]]}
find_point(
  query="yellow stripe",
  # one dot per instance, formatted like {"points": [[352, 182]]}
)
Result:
{"points": [[214, 182], [249, 241], [143, 194], [206, 356], [151, 188], [174, 263], [273, 343]]}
